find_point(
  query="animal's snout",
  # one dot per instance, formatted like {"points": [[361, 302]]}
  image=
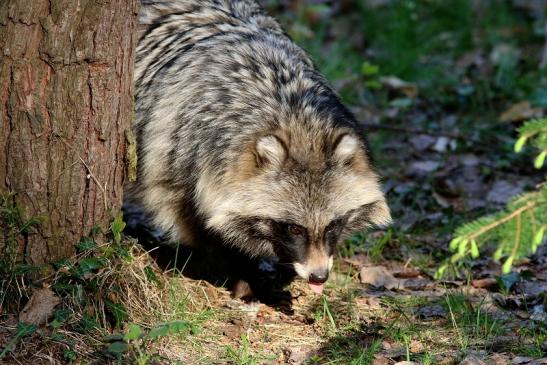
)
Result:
{"points": [[319, 276]]}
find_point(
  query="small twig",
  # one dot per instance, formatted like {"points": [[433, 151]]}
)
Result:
{"points": [[103, 190], [90, 173]]}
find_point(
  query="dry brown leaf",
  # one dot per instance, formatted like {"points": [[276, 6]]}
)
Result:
{"points": [[40, 307], [379, 276], [407, 88], [298, 354], [407, 273], [380, 360], [416, 347], [369, 302], [472, 360], [519, 112], [521, 360], [484, 283], [498, 359]]}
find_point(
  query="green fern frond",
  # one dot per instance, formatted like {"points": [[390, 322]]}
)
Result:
{"points": [[533, 126], [519, 229]]}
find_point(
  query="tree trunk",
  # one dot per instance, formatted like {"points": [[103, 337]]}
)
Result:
{"points": [[66, 105]]}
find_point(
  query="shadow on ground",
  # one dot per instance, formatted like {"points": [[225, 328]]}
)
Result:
{"points": [[222, 266]]}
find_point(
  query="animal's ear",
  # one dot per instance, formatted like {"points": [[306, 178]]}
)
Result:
{"points": [[345, 148], [380, 214], [372, 214], [270, 150]]}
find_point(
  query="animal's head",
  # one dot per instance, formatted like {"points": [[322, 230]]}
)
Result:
{"points": [[294, 193]]}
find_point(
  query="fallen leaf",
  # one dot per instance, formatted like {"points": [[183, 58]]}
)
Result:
{"points": [[502, 191], [422, 168], [443, 144], [379, 276], [407, 273], [297, 354], [447, 201], [484, 283], [519, 112], [469, 160], [394, 83], [472, 360], [357, 260], [231, 331], [421, 142], [40, 307], [406, 363], [521, 360], [431, 312], [498, 359], [531, 288], [499, 343], [386, 345], [380, 360], [369, 302], [538, 314], [416, 284], [416, 347]]}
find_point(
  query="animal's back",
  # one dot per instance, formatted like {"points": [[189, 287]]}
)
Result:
{"points": [[209, 75], [241, 138]]}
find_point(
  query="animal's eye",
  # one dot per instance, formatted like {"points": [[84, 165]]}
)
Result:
{"points": [[332, 227], [296, 230]]}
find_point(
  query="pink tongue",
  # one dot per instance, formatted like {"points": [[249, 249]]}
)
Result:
{"points": [[317, 288]]}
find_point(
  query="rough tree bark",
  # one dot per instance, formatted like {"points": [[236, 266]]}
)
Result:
{"points": [[66, 105]]}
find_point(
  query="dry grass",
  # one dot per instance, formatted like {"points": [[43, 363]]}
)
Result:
{"points": [[150, 296], [349, 324]]}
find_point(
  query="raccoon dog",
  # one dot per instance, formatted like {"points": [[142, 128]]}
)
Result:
{"points": [[240, 137]]}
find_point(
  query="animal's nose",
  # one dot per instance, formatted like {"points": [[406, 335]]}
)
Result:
{"points": [[319, 276]]}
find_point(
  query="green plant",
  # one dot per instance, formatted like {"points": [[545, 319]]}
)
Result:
{"points": [[22, 330], [243, 354], [136, 340], [519, 229], [470, 322], [13, 225]]}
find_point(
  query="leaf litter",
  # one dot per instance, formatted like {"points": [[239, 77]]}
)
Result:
{"points": [[441, 159]]}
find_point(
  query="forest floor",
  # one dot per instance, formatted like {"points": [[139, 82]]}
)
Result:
{"points": [[442, 87]]}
